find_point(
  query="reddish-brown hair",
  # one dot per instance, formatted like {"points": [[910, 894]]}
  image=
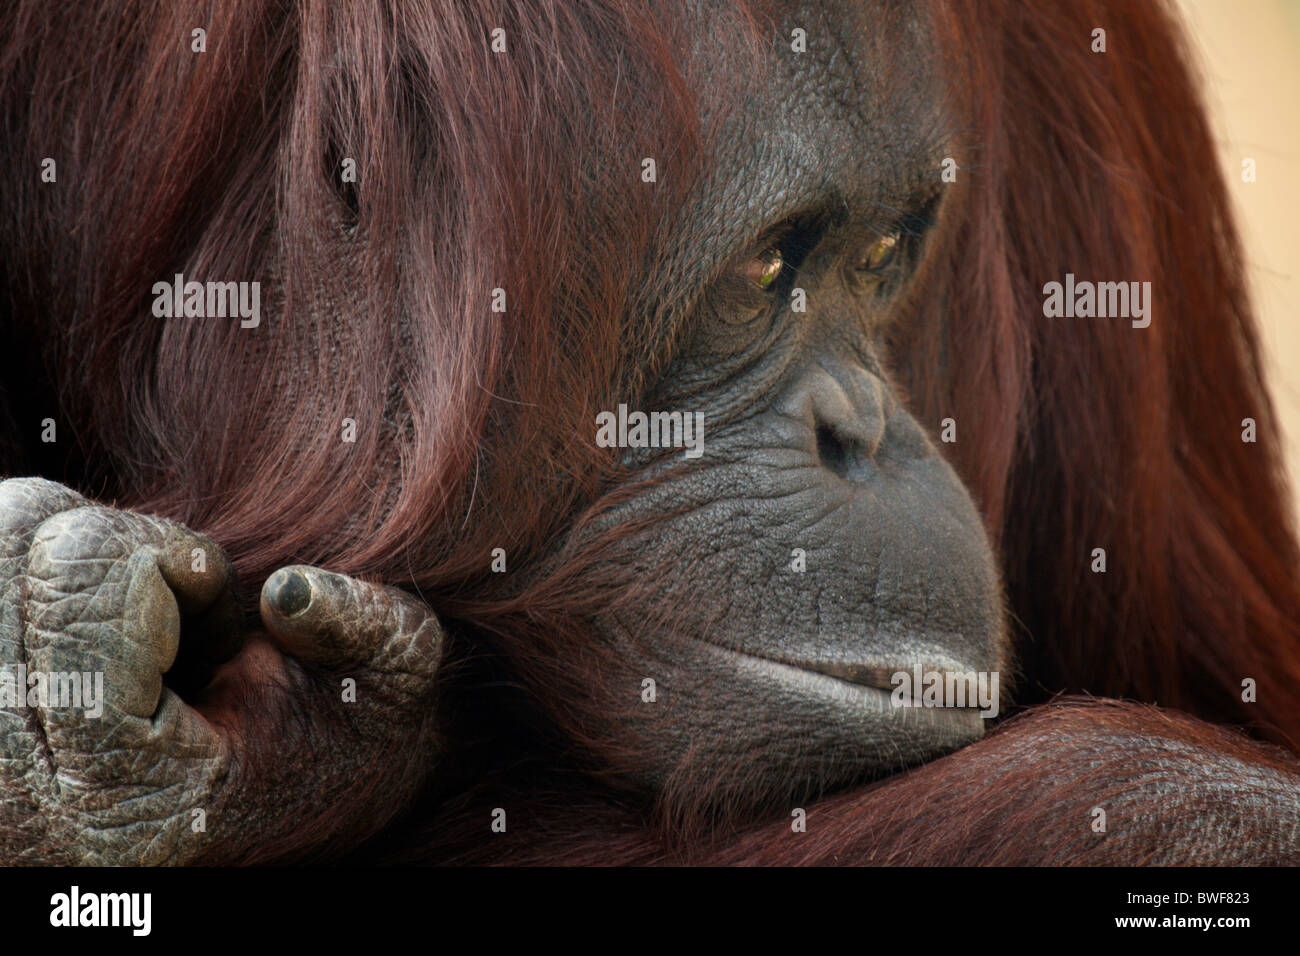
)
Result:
{"points": [[1083, 434]]}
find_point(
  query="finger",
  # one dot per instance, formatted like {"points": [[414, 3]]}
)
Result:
{"points": [[206, 588], [195, 567], [329, 619], [98, 593], [24, 504]]}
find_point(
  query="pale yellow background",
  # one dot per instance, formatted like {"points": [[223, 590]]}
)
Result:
{"points": [[1250, 60]]}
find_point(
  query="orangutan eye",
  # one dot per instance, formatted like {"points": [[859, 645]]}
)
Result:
{"points": [[879, 254], [763, 269]]}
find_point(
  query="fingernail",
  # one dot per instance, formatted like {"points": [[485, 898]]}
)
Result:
{"points": [[288, 592]]}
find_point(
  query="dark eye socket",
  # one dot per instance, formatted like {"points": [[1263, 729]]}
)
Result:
{"points": [[880, 254], [782, 255], [872, 267], [764, 268]]}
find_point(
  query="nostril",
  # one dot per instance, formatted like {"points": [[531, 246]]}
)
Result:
{"points": [[832, 451]]}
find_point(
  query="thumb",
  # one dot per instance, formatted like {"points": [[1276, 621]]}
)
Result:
{"points": [[331, 620]]}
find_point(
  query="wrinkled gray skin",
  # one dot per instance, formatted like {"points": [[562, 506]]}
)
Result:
{"points": [[772, 681], [93, 589]]}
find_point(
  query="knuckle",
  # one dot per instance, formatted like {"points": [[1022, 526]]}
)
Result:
{"points": [[25, 502], [425, 648], [415, 637], [31, 493], [81, 533]]}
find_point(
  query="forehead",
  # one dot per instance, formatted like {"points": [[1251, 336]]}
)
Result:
{"points": [[853, 123]]}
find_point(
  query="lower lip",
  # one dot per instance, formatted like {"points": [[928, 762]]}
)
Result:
{"points": [[826, 685]]}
